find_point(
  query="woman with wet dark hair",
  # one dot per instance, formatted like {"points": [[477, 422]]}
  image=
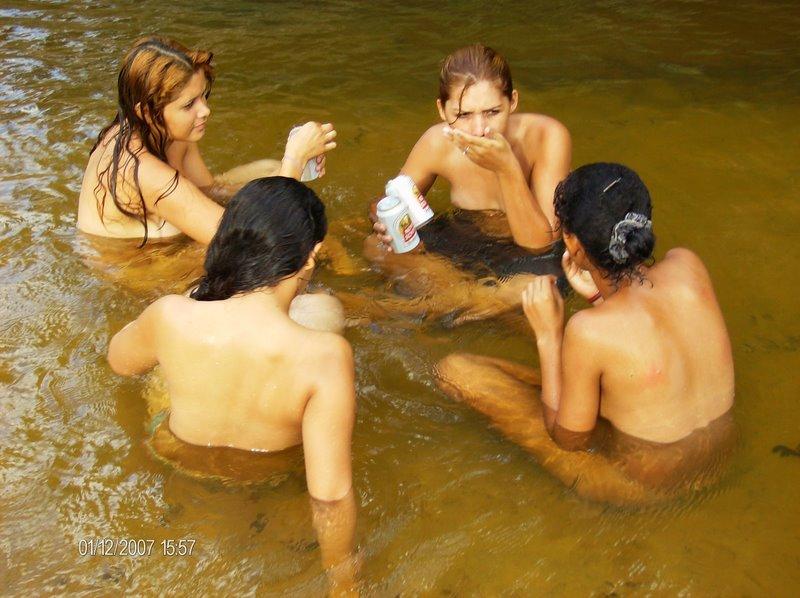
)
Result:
{"points": [[645, 377], [240, 372]]}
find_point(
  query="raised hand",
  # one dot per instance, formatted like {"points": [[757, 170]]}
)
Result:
{"points": [[544, 307], [578, 278], [312, 140], [492, 151]]}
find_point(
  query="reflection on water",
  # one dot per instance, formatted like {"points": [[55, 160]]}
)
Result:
{"points": [[700, 97]]}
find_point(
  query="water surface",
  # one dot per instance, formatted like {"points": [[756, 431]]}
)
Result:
{"points": [[699, 97]]}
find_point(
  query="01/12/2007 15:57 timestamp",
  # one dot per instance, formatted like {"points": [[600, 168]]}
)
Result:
{"points": [[134, 547]]}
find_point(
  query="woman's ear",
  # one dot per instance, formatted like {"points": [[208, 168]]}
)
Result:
{"points": [[514, 100], [311, 262], [576, 250], [440, 108], [143, 112]]}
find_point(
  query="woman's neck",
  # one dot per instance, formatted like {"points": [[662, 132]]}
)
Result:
{"points": [[278, 297], [607, 286]]}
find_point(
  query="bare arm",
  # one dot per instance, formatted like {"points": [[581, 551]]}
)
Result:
{"points": [[423, 166], [528, 204], [327, 429], [551, 167], [194, 168], [422, 163], [570, 376], [132, 350], [185, 206]]}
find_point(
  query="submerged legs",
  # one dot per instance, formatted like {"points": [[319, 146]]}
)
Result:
{"points": [[508, 394]]}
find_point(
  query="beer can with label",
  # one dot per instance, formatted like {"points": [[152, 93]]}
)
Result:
{"points": [[404, 187], [310, 171], [393, 214]]}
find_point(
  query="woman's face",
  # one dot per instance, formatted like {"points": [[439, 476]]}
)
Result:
{"points": [[482, 105], [186, 115]]}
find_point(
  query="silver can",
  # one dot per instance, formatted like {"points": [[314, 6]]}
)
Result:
{"points": [[393, 214], [404, 187], [310, 171]]}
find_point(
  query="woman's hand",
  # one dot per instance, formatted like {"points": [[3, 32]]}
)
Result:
{"points": [[544, 308], [579, 279], [378, 227], [492, 151], [311, 141]]}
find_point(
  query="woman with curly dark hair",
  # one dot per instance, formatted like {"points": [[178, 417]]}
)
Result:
{"points": [[645, 376]]}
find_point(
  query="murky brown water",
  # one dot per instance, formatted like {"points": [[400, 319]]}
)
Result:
{"points": [[700, 97]]}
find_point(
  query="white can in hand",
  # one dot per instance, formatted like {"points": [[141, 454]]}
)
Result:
{"points": [[310, 171], [404, 187], [393, 214]]}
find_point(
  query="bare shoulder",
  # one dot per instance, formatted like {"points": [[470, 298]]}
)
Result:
{"points": [[540, 127], [687, 265], [685, 257], [584, 326], [170, 307], [433, 139], [332, 350], [331, 368]]}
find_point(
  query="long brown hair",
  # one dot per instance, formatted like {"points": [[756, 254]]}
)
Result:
{"points": [[153, 73], [471, 64]]}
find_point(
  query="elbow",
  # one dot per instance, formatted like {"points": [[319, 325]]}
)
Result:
{"points": [[535, 239], [119, 365]]}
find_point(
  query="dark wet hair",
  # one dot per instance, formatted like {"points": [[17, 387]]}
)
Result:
{"points": [[153, 73], [266, 234], [607, 206], [471, 64]]}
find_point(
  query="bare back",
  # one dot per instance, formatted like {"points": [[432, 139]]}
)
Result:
{"points": [[238, 376], [663, 352]]}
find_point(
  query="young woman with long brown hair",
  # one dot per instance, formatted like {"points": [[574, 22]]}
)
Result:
{"points": [[146, 177]]}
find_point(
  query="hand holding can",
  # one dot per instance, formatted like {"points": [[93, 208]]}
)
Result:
{"points": [[306, 146], [404, 188], [393, 214]]}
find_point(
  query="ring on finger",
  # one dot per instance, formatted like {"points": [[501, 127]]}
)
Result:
{"points": [[465, 150]]}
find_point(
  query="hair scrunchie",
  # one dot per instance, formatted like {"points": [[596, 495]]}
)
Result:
{"points": [[632, 221]]}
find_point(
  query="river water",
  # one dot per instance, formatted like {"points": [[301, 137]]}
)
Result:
{"points": [[700, 97]]}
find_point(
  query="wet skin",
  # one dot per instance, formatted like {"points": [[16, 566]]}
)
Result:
{"points": [[627, 385], [495, 160]]}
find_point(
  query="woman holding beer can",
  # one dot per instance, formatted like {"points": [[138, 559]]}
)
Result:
{"points": [[503, 168], [146, 177]]}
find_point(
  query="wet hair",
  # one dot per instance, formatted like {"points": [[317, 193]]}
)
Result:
{"points": [[471, 64], [607, 207], [153, 73], [266, 234]]}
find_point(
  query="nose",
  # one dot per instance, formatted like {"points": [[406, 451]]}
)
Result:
{"points": [[205, 110], [478, 125]]}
